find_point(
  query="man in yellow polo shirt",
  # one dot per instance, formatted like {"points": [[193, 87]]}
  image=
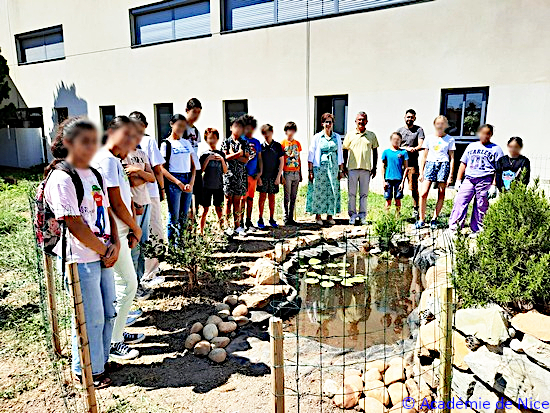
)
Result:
{"points": [[361, 153]]}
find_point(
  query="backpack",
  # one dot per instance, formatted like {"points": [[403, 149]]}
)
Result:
{"points": [[47, 228]]}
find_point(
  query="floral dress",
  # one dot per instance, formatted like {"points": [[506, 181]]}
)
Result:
{"points": [[323, 194]]}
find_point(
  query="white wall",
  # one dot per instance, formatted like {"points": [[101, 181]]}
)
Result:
{"points": [[21, 147]]}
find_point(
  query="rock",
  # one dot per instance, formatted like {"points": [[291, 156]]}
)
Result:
{"points": [[536, 349], [511, 373], [346, 397], [372, 374], [223, 314], [191, 340], [534, 324], [397, 391], [259, 296], [487, 324], [222, 306], [217, 355], [511, 332], [258, 316], [240, 320], [381, 365], [428, 338], [202, 348], [330, 388], [416, 393], [196, 328], [371, 405], [394, 373], [220, 342], [227, 327], [437, 275], [352, 372], [399, 408], [376, 389], [265, 271], [460, 350], [231, 300], [240, 310], [356, 382], [516, 345], [399, 361], [214, 319], [210, 331]]}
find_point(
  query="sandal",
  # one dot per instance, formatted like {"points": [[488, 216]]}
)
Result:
{"points": [[100, 381]]}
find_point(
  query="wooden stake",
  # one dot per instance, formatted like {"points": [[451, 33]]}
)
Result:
{"points": [[52, 303], [277, 366], [446, 346], [82, 336]]}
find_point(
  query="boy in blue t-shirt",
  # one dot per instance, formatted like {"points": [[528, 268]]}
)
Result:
{"points": [[253, 168], [395, 162]]}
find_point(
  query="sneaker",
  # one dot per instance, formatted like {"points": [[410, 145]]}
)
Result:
{"points": [[120, 351], [261, 224], [248, 224], [290, 223], [135, 313], [130, 321], [319, 222], [240, 231], [229, 232], [273, 223], [156, 280], [433, 224], [142, 294], [352, 221], [416, 214], [331, 222], [419, 224], [130, 338], [364, 221]]}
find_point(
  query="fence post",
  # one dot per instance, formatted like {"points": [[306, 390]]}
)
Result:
{"points": [[82, 336], [52, 303], [277, 365], [446, 346]]}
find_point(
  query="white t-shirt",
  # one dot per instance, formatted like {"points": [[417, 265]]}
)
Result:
{"points": [[180, 159], [150, 147], [111, 168], [60, 195], [438, 147], [194, 137], [140, 194]]}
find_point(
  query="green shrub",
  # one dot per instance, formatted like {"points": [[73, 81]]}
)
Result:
{"points": [[511, 263], [385, 227]]}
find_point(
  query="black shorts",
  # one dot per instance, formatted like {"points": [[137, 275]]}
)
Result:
{"points": [[211, 194]]}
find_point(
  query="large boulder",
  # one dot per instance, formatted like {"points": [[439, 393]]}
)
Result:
{"points": [[429, 338], [377, 390], [487, 324], [460, 350], [398, 391], [371, 405], [346, 397], [394, 373], [536, 349], [259, 296], [534, 324], [265, 271]]}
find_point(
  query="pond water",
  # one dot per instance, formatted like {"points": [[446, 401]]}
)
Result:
{"points": [[357, 300]]}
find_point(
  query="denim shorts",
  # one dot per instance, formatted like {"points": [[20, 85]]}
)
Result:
{"points": [[392, 190], [437, 171]]}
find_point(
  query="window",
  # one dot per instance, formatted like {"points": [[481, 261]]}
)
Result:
{"points": [[171, 20], [60, 114], [232, 110], [466, 109], [163, 114], [107, 113], [338, 106], [244, 14], [40, 45]]}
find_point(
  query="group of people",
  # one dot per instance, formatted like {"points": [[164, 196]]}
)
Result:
{"points": [[109, 197]]}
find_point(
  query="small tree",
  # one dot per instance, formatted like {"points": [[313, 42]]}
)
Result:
{"points": [[7, 111], [511, 263]]}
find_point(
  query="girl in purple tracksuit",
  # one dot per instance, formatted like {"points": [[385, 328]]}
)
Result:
{"points": [[477, 166]]}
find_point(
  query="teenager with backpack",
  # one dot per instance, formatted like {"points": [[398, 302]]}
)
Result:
{"points": [[118, 142], [73, 195]]}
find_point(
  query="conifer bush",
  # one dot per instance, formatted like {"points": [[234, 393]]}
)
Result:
{"points": [[510, 265]]}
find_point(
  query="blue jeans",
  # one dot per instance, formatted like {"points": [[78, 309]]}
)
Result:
{"points": [[137, 252], [179, 203], [98, 296]]}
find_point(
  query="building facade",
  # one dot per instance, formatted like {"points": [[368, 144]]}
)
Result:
{"points": [[475, 61]]}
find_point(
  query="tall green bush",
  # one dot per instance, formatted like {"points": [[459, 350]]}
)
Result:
{"points": [[511, 263]]}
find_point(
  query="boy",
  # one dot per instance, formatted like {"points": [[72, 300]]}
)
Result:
{"points": [[193, 111], [273, 158], [396, 167], [214, 167], [235, 182], [292, 171], [253, 168]]}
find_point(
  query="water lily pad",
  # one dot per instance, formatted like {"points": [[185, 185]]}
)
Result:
{"points": [[302, 270], [356, 279], [318, 267], [314, 261], [325, 277], [334, 278], [311, 280], [345, 274], [332, 265], [313, 274], [346, 283], [327, 284]]}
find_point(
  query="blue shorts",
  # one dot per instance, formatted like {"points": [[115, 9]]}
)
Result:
{"points": [[392, 191], [437, 171]]}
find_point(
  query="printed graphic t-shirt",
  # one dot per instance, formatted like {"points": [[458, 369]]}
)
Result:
{"points": [[481, 160], [292, 155], [60, 195], [439, 147], [394, 160], [140, 194], [193, 136], [180, 159], [255, 148], [150, 147]]}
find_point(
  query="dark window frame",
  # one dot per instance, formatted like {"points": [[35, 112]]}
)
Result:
{"points": [[158, 134], [57, 110], [156, 7], [102, 108], [317, 127], [226, 120], [33, 34]]}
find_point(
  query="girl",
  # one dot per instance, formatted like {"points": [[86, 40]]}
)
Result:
{"points": [[179, 171], [510, 167], [436, 165], [478, 164], [92, 239], [117, 144]]}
